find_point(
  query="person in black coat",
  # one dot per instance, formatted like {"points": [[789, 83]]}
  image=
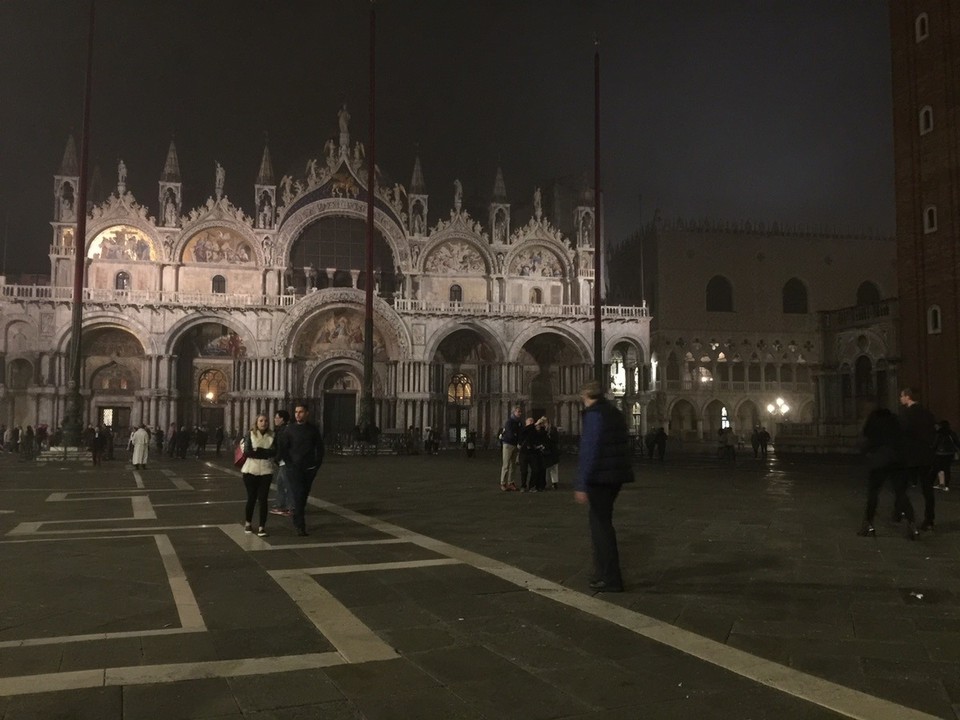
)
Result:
{"points": [[527, 453], [301, 449], [946, 446], [604, 466], [881, 447], [918, 428]]}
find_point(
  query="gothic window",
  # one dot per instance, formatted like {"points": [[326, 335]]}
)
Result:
{"points": [[219, 284], [921, 27], [868, 293], [719, 295], [934, 320], [794, 297], [930, 219], [122, 281], [536, 296], [213, 385], [460, 390], [456, 293], [926, 119]]}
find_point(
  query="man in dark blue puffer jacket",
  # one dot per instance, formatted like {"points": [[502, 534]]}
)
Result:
{"points": [[603, 467]]}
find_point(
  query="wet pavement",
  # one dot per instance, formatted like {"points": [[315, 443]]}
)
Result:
{"points": [[425, 592]]}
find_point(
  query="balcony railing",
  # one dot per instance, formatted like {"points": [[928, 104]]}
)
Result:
{"points": [[448, 307], [198, 299], [859, 314]]}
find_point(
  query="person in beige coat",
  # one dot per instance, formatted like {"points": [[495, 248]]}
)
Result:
{"points": [[257, 470]]}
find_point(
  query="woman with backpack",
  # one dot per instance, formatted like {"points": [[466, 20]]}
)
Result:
{"points": [[945, 446]]}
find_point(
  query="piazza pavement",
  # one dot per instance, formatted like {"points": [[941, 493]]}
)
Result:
{"points": [[423, 591]]}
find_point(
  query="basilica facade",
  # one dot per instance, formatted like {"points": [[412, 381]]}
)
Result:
{"points": [[213, 314]]}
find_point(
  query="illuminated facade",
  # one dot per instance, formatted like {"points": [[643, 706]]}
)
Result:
{"points": [[210, 315]]}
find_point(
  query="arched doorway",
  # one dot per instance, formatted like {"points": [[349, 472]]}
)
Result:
{"points": [[340, 388], [715, 418], [467, 363], [206, 365], [683, 421], [550, 364], [113, 361]]}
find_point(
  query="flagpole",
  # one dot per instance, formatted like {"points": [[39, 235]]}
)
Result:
{"points": [[73, 420], [597, 235], [367, 408]]}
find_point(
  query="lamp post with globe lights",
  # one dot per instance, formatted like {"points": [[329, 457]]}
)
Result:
{"points": [[778, 410]]}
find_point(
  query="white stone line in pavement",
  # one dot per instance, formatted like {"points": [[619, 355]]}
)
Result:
{"points": [[262, 546], [201, 502], [168, 472], [373, 567], [138, 479], [183, 597], [151, 674], [33, 642], [140, 504], [181, 484], [826, 694], [352, 638]]}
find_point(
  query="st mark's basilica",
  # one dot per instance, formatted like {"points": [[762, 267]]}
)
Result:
{"points": [[210, 315]]}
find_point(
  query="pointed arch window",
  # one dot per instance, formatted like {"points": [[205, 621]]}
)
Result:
{"points": [[456, 293], [719, 295], [926, 119], [536, 296], [934, 320], [921, 27], [219, 284], [868, 293], [213, 386], [795, 297], [460, 390], [122, 281]]}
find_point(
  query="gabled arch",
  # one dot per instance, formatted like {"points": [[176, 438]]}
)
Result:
{"points": [[473, 241], [109, 319], [489, 335], [176, 331], [578, 343], [242, 236], [529, 250]]}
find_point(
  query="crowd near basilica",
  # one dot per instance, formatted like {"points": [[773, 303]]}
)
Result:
{"points": [[206, 316]]}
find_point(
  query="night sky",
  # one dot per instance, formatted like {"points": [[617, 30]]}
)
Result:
{"points": [[738, 110]]}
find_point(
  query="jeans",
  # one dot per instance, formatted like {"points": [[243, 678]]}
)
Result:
{"points": [[301, 480], [284, 497], [606, 556], [258, 487]]}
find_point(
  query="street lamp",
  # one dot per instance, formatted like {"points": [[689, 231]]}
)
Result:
{"points": [[778, 409]]}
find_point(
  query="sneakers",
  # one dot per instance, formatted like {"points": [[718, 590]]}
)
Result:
{"points": [[867, 531], [261, 533], [302, 532], [247, 529], [912, 532], [512, 487], [278, 511]]}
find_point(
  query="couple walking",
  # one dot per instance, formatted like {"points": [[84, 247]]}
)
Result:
{"points": [[298, 450]]}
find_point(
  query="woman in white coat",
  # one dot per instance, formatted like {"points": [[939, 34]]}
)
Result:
{"points": [[258, 447]]}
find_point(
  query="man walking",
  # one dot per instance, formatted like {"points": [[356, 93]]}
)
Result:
{"points": [[509, 438], [603, 467], [283, 501], [918, 428], [300, 447]]}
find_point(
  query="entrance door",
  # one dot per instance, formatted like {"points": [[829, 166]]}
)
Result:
{"points": [[212, 418], [339, 413], [115, 418]]}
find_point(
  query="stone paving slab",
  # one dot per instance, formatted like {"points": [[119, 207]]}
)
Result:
{"points": [[761, 557]]}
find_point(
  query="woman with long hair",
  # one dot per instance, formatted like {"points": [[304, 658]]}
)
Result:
{"points": [[258, 447]]}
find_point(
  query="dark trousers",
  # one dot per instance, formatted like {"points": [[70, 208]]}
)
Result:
{"points": [[942, 464], [902, 506], [538, 471], [927, 477], [606, 557], [258, 488], [523, 459], [301, 480]]}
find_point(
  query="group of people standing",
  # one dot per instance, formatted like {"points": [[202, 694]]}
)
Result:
{"points": [[291, 453], [908, 449], [183, 440], [534, 447], [23, 441]]}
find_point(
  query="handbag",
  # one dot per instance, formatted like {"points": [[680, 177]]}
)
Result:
{"points": [[239, 457]]}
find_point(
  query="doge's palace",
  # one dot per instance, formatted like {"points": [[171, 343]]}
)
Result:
{"points": [[210, 315]]}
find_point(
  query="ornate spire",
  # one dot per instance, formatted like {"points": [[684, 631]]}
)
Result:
{"points": [[69, 165], [499, 189], [265, 176], [417, 185], [171, 169]]}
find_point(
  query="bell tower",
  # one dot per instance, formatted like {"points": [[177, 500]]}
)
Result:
{"points": [[65, 186], [171, 189]]}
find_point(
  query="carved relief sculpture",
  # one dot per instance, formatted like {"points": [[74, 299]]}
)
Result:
{"points": [[457, 258], [536, 262]]}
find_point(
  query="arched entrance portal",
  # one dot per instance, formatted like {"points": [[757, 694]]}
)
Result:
{"points": [[339, 390], [467, 363], [206, 355], [112, 360], [553, 370]]}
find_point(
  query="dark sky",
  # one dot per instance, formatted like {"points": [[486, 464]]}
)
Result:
{"points": [[756, 110]]}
